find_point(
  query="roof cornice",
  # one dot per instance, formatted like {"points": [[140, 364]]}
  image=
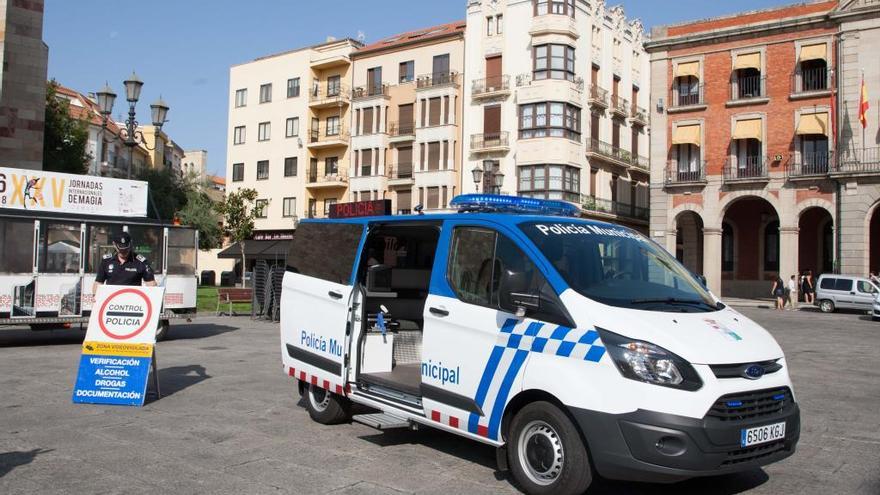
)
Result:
{"points": [[792, 22]]}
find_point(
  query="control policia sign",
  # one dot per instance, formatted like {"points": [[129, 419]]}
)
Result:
{"points": [[118, 350], [36, 190]]}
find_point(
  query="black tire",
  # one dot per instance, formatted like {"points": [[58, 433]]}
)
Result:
{"points": [[826, 306], [326, 407], [536, 431], [163, 330]]}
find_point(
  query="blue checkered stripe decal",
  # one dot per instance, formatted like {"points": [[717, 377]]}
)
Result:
{"points": [[515, 341]]}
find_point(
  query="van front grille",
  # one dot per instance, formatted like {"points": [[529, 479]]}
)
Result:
{"points": [[747, 454], [750, 405]]}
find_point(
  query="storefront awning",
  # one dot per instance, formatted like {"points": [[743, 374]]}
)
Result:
{"points": [[748, 61], [814, 52], [748, 129], [257, 250], [813, 123], [687, 69], [687, 134]]}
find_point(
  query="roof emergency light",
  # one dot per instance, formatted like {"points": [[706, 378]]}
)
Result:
{"points": [[495, 203]]}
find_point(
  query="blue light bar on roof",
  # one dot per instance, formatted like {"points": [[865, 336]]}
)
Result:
{"points": [[495, 203]]}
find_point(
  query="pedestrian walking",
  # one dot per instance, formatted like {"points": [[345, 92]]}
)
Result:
{"points": [[792, 292], [807, 287], [778, 291]]}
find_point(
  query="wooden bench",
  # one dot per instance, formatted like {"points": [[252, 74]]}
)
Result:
{"points": [[230, 296]]}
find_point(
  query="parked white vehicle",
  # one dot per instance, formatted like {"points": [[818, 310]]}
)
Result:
{"points": [[835, 292], [568, 344]]}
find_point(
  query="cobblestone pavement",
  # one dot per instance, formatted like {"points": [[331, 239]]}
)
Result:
{"points": [[230, 423]]}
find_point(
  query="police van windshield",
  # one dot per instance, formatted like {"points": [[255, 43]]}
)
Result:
{"points": [[618, 267]]}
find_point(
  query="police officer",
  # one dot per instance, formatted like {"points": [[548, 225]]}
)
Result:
{"points": [[125, 267]]}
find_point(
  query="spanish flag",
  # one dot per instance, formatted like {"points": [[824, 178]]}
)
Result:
{"points": [[863, 104]]}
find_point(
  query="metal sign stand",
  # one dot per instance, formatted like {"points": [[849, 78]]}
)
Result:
{"points": [[154, 370]]}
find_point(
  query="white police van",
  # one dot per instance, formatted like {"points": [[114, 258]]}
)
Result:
{"points": [[578, 348]]}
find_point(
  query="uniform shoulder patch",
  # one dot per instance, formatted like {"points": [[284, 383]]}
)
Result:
{"points": [[141, 258], [108, 256]]}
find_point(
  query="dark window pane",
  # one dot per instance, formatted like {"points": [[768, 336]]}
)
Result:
{"points": [[335, 260]]}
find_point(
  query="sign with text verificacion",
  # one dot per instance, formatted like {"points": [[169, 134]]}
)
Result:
{"points": [[119, 344]]}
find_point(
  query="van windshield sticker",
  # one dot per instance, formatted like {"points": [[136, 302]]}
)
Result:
{"points": [[578, 229]]}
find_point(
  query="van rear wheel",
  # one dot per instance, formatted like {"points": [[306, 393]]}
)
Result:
{"points": [[325, 407], [545, 452], [826, 305]]}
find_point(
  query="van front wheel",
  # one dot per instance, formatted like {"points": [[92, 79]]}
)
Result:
{"points": [[326, 407], [826, 305], [545, 452]]}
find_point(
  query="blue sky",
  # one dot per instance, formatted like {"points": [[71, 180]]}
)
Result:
{"points": [[183, 49]]}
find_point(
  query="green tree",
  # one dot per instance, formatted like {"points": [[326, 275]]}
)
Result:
{"points": [[238, 211], [200, 212], [64, 137], [168, 192]]}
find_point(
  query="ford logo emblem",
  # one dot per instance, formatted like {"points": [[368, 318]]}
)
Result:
{"points": [[753, 372]]}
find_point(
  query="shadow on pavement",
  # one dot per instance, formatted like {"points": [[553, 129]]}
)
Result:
{"points": [[729, 484], [13, 459], [25, 337], [191, 331], [177, 378], [484, 455]]}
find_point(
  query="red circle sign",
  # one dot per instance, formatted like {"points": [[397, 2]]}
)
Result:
{"points": [[139, 329]]}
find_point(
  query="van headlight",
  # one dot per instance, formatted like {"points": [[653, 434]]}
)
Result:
{"points": [[646, 362]]}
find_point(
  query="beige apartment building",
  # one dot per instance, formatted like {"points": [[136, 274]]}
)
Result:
{"points": [[289, 133], [407, 118], [555, 103]]}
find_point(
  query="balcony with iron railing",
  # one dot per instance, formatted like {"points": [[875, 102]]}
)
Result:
{"points": [[747, 89], [807, 165], [810, 82], [437, 79], [597, 96], [490, 87], [608, 153], [328, 136], [323, 96], [400, 173], [401, 131], [857, 162], [641, 163], [685, 173], [614, 208], [489, 142], [327, 178], [639, 115], [370, 91], [683, 99], [619, 106], [746, 169]]}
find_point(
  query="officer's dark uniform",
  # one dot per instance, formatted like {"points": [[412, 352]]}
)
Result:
{"points": [[135, 269]]}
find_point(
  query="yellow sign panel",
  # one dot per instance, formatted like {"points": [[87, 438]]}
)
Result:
{"points": [[117, 349]]}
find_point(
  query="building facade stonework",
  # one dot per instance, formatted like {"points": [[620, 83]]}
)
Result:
{"points": [[24, 59], [751, 166]]}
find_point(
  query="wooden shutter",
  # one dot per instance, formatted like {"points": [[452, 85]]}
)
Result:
{"points": [[492, 121], [368, 120], [405, 118], [434, 111], [434, 155]]}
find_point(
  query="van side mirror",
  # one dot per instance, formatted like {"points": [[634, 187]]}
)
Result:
{"points": [[702, 279], [514, 295]]}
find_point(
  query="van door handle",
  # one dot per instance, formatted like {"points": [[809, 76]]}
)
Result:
{"points": [[334, 294], [852, 293], [438, 312]]}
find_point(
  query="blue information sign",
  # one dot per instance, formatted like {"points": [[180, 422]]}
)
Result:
{"points": [[119, 380]]}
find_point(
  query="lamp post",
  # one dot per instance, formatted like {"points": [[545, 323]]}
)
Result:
{"points": [[130, 136], [493, 179]]}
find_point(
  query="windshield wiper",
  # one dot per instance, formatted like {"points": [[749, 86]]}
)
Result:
{"points": [[671, 300]]}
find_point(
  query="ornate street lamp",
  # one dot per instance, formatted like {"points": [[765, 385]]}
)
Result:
{"points": [[478, 176], [130, 136]]}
